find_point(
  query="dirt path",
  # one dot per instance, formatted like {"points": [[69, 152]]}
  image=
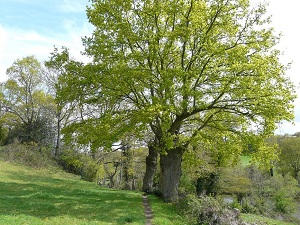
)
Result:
{"points": [[147, 210]]}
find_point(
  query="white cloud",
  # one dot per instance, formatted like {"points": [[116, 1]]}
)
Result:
{"points": [[19, 43]]}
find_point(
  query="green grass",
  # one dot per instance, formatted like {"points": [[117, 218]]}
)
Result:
{"points": [[165, 213], [30, 196], [245, 160], [41, 197], [263, 220]]}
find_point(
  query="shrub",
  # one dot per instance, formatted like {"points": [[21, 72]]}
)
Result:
{"points": [[70, 161], [79, 164], [248, 206], [28, 154], [207, 210], [3, 133], [283, 191], [284, 203], [186, 185], [235, 205]]}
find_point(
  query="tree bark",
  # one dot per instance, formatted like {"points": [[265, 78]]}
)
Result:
{"points": [[170, 165], [126, 164], [151, 165], [57, 144]]}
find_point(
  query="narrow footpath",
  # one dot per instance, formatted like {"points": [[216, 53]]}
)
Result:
{"points": [[147, 210]]}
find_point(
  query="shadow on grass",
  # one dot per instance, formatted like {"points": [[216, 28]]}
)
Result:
{"points": [[46, 197]]}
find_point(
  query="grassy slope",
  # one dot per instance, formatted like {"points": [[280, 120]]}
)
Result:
{"points": [[41, 197], [37, 197]]}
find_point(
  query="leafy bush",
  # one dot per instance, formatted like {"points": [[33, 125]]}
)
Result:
{"points": [[207, 210], [248, 206], [89, 169], [79, 164], [40, 131], [3, 133], [284, 203], [186, 185], [70, 161], [283, 191], [236, 205], [28, 154], [270, 195]]}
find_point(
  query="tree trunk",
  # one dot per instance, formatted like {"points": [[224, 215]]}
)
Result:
{"points": [[126, 163], [57, 144], [151, 164], [170, 165], [271, 172]]}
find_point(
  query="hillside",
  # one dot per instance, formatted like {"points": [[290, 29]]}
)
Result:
{"points": [[35, 197], [30, 196]]}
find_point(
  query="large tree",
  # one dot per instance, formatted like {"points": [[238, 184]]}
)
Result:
{"points": [[183, 69]]}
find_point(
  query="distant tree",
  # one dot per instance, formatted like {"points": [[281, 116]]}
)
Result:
{"points": [[26, 105], [181, 69], [270, 192], [126, 161], [234, 181], [3, 127], [110, 169], [289, 157], [56, 67], [3, 131]]}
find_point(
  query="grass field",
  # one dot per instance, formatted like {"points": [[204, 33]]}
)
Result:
{"points": [[41, 197], [35, 197]]}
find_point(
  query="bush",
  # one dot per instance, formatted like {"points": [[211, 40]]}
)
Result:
{"points": [[28, 154], [70, 161], [3, 134], [79, 164], [207, 210], [284, 203], [270, 195], [235, 205], [283, 190], [186, 185], [248, 206]]}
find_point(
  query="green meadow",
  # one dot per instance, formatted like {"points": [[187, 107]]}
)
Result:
{"points": [[49, 196], [29, 196]]}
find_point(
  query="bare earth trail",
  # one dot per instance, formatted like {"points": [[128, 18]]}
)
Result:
{"points": [[147, 210]]}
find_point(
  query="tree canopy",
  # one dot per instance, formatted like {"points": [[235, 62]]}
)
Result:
{"points": [[184, 69], [27, 107]]}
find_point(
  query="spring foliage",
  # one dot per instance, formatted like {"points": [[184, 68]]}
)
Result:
{"points": [[189, 71]]}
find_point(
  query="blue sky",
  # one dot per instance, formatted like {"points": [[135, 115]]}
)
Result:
{"points": [[34, 27], [46, 16]]}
